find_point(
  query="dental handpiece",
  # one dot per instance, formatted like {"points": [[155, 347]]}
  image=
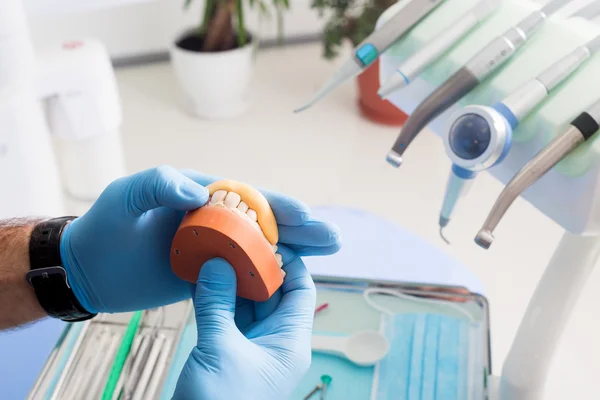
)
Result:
{"points": [[459, 184], [480, 137], [589, 11], [375, 44], [488, 60], [415, 65], [581, 129]]}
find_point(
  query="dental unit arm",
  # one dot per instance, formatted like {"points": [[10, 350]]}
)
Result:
{"points": [[376, 43], [568, 194], [489, 59], [59, 121], [501, 119], [428, 54], [580, 130]]}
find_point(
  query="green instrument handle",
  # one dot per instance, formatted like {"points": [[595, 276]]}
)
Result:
{"points": [[121, 357]]}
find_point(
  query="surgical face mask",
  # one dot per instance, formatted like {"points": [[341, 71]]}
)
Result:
{"points": [[432, 356]]}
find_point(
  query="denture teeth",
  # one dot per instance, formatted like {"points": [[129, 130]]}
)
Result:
{"points": [[218, 196], [282, 273], [243, 207], [252, 214], [279, 260], [232, 200]]}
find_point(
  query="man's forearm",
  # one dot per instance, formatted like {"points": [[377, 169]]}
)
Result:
{"points": [[18, 303]]}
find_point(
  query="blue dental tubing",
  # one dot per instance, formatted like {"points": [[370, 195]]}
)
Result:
{"points": [[480, 137]]}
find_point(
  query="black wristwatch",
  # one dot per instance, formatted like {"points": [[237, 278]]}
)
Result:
{"points": [[47, 275]]}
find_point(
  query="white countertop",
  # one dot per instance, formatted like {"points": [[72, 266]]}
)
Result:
{"points": [[331, 155]]}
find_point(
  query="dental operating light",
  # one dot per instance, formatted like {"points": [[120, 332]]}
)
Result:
{"points": [[479, 137], [415, 65], [488, 60], [580, 130], [376, 43]]}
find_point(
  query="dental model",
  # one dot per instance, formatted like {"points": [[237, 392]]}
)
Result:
{"points": [[457, 29], [488, 60], [238, 225], [480, 137], [580, 130]]}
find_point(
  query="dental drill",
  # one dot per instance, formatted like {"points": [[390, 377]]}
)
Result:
{"points": [[580, 130], [480, 137], [450, 35], [482, 65], [375, 44]]}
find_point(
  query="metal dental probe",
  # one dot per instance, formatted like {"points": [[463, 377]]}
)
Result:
{"points": [[50, 364], [581, 129], [102, 372], [157, 345], [127, 368], [161, 366], [442, 235], [376, 43], [74, 353], [489, 59], [91, 357]]}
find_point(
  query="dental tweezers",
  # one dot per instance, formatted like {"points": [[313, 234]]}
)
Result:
{"points": [[489, 59], [580, 130]]}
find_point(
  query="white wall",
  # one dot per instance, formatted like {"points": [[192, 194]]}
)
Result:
{"points": [[139, 27]]}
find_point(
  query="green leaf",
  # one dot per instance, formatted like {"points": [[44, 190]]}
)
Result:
{"points": [[264, 9]]}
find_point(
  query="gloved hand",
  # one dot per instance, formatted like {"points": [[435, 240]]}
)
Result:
{"points": [[248, 350], [117, 254]]}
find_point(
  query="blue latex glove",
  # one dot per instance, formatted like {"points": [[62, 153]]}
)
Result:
{"points": [[117, 254], [249, 350]]}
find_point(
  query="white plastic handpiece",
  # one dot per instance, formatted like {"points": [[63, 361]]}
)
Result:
{"points": [[563, 68], [525, 98], [501, 49], [449, 36]]}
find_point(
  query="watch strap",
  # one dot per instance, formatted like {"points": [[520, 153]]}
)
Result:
{"points": [[47, 275]]}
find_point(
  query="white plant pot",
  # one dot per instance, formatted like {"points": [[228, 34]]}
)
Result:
{"points": [[214, 85]]}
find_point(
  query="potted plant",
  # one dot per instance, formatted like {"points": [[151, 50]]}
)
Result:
{"points": [[214, 61], [353, 21]]}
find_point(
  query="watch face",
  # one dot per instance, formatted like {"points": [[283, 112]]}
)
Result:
{"points": [[47, 275]]}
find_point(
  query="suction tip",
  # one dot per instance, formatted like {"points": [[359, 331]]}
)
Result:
{"points": [[484, 239], [394, 159]]}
